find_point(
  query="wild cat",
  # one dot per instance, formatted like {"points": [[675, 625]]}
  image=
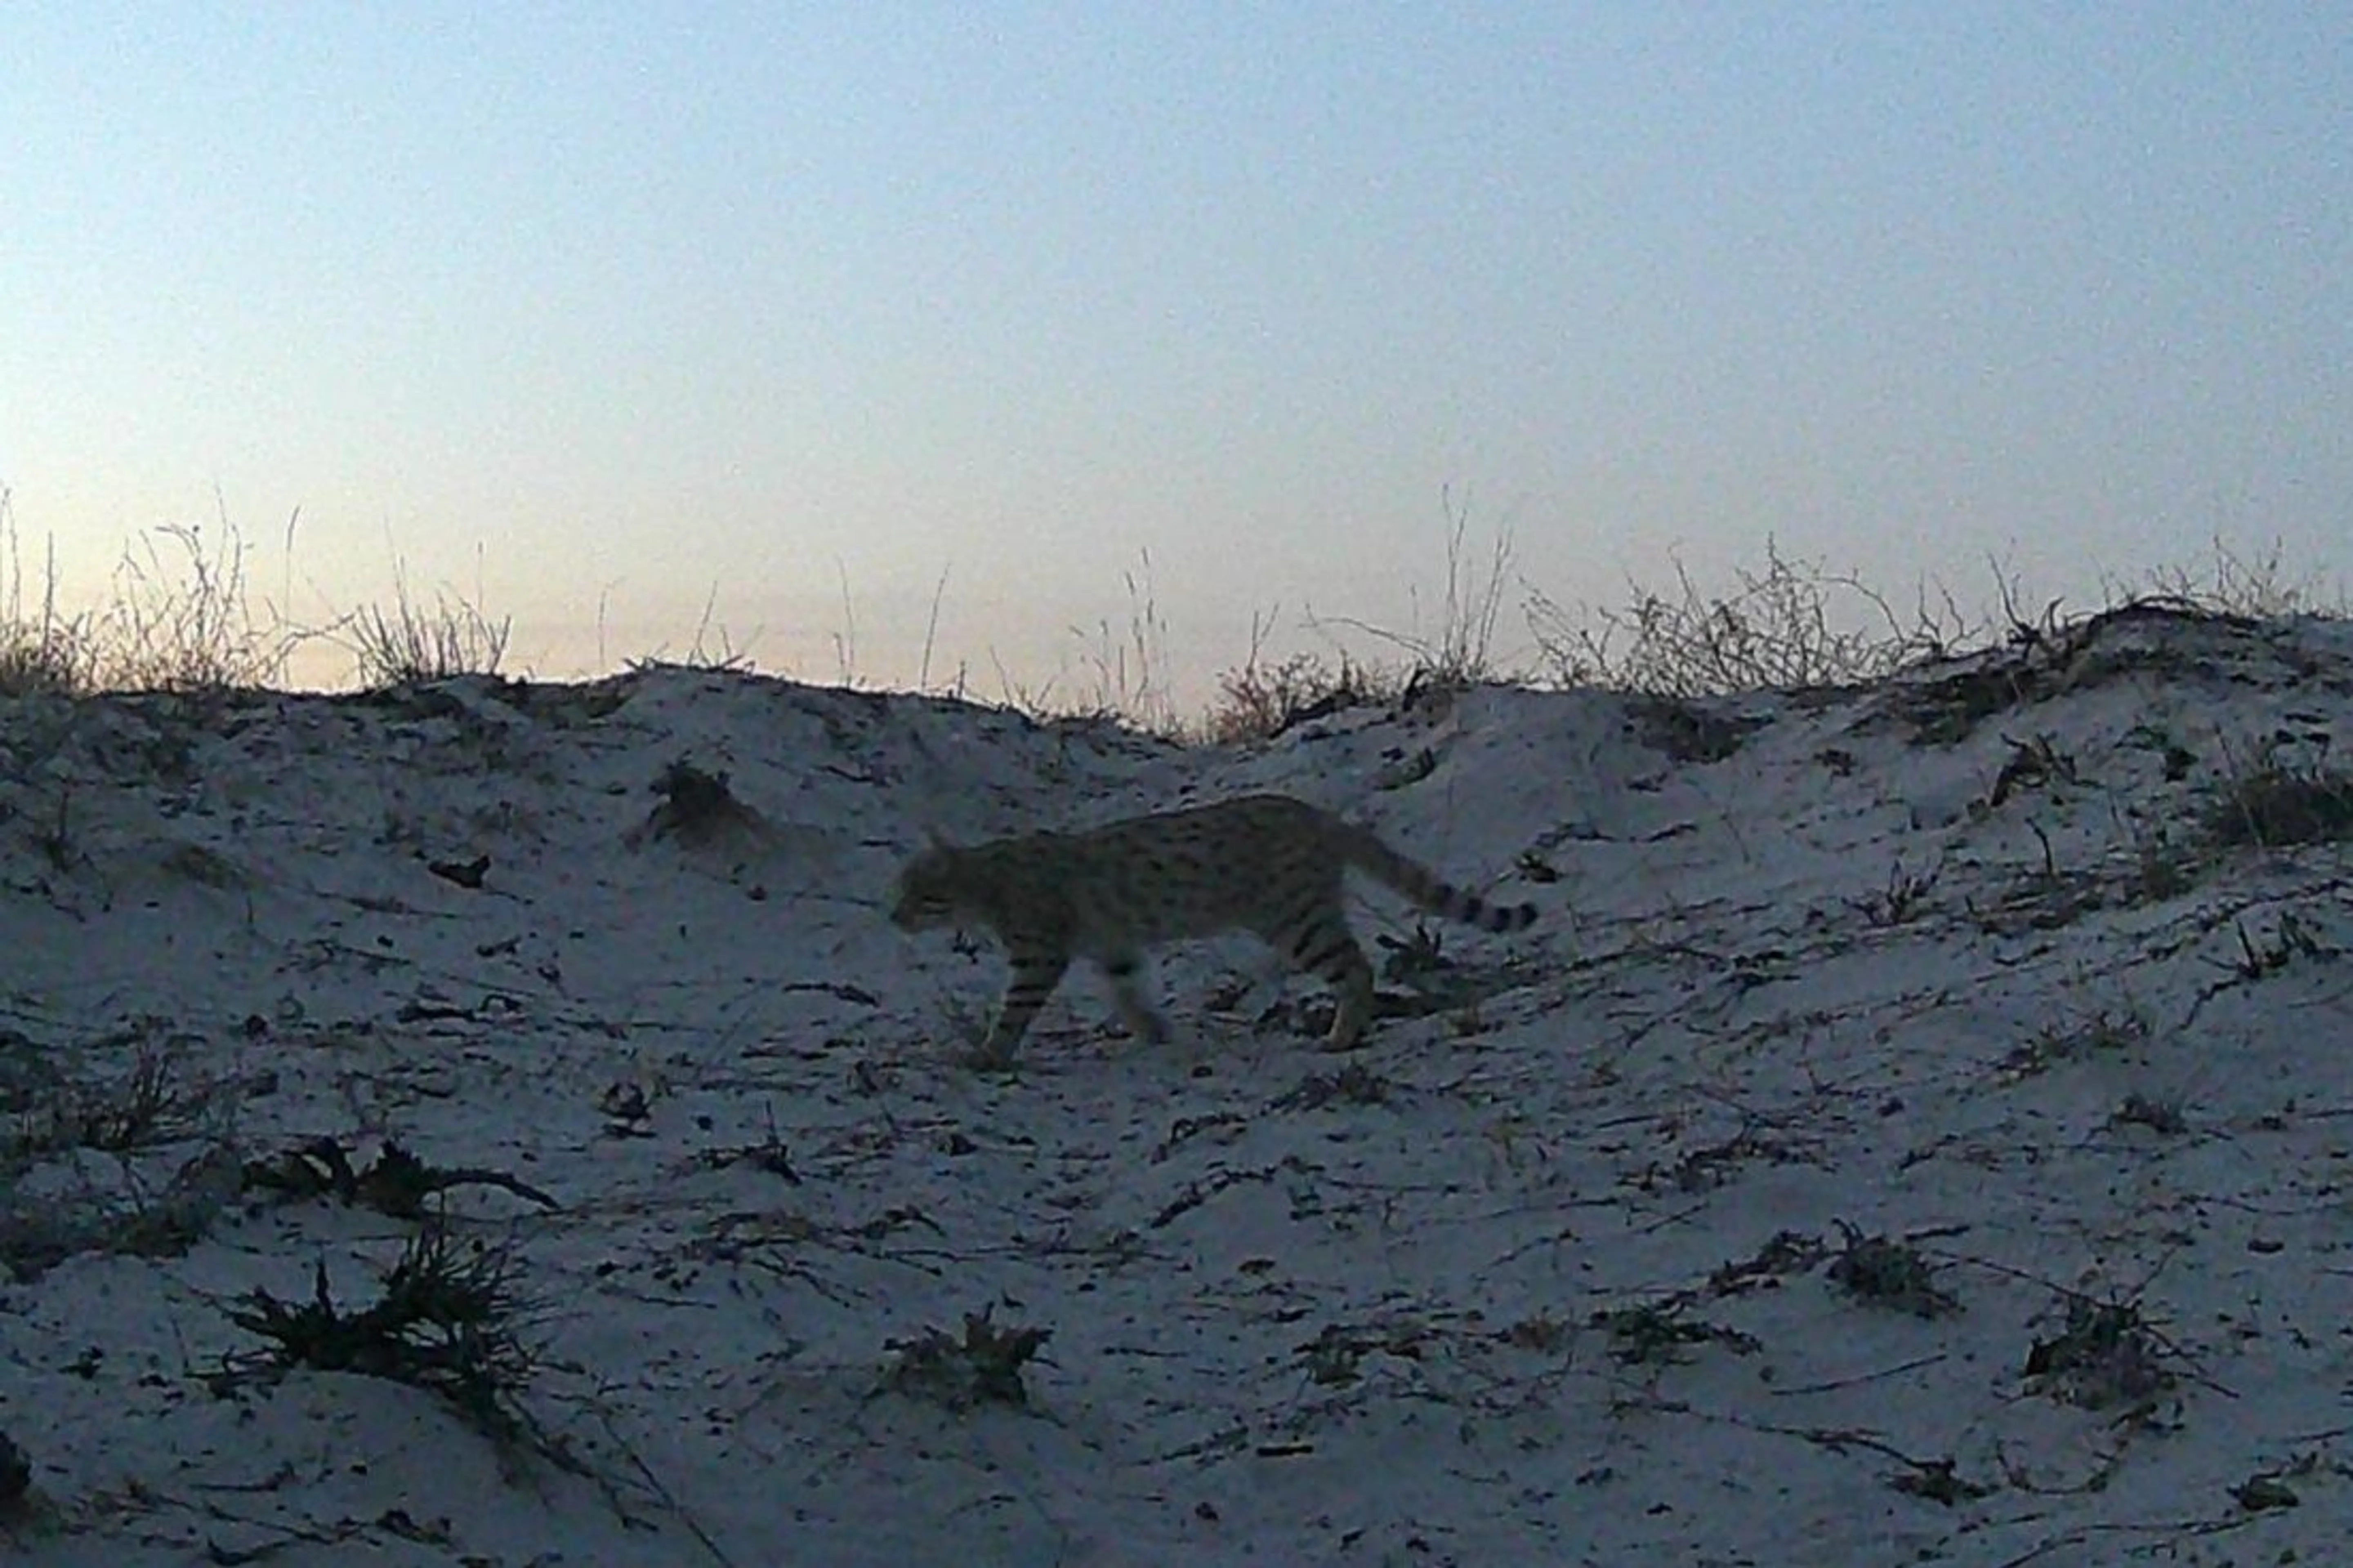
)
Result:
{"points": [[1263, 863]]}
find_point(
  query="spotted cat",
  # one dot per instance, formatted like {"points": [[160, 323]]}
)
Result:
{"points": [[1263, 863]]}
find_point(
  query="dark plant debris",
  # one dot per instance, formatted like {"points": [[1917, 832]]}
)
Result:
{"points": [[2105, 1354], [1888, 1273], [982, 1367], [395, 1182]]}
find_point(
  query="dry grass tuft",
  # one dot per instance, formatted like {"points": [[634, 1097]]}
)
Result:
{"points": [[412, 644], [444, 1322]]}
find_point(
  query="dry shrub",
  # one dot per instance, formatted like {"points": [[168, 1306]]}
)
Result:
{"points": [[1792, 624], [181, 619], [1260, 701]]}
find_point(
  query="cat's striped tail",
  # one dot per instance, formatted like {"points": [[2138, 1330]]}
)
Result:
{"points": [[1433, 893]]}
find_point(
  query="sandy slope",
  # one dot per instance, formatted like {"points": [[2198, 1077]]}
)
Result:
{"points": [[1570, 1264]]}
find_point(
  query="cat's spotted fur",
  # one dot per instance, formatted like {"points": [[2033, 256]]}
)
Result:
{"points": [[1263, 863]]}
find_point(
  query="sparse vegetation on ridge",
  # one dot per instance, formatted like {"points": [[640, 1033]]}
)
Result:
{"points": [[181, 619], [1789, 625]]}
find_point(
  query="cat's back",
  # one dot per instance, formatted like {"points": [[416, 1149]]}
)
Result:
{"points": [[1239, 825], [1199, 870]]}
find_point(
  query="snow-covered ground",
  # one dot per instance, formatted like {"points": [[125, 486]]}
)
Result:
{"points": [[1919, 1129]]}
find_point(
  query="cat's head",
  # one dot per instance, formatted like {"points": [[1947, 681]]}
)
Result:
{"points": [[930, 889]]}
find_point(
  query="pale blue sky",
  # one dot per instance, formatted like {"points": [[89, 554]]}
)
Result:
{"points": [[554, 303]]}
